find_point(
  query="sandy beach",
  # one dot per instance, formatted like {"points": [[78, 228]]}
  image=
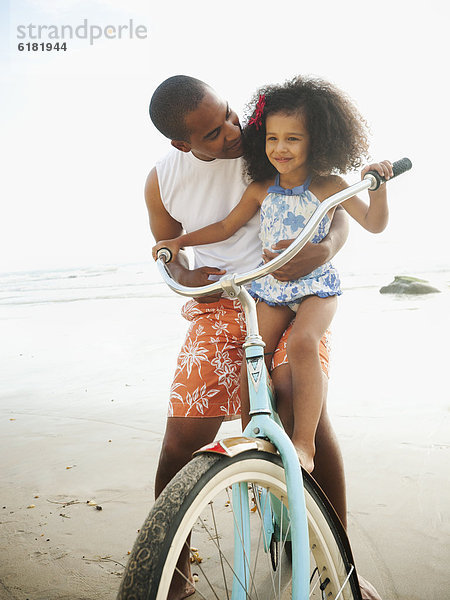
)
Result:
{"points": [[82, 411]]}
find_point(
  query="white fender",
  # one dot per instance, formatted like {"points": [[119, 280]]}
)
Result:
{"points": [[237, 445]]}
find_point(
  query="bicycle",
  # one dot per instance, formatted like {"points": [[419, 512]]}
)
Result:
{"points": [[235, 508]]}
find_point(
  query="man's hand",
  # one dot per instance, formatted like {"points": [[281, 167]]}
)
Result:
{"points": [[196, 278], [312, 256], [309, 258], [172, 245]]}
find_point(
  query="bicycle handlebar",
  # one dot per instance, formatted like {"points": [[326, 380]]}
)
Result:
{"points": [[399, 167], [230, 283]]}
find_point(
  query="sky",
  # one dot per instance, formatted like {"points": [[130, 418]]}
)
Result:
{"points": [[77, 142]]}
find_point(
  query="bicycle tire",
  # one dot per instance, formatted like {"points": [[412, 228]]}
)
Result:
{"points": [[207, 477]]}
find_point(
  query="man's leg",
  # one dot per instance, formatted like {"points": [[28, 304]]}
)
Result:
{"points": [[200, 395], [329, 466], [200, 398], [183, 436]]}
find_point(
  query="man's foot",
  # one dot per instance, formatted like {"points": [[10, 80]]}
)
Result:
{"points": [[180, 588], [306, 459], [368, 592]]}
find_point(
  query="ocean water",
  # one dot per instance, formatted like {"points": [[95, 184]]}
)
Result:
{"points": [[85, 283], [102, 320], [142, 280]]}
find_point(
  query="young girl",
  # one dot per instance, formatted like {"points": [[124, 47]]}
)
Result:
{"points": [[299, 135]]}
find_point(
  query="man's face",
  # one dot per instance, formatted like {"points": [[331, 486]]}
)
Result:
{"points": [[214, 128]]}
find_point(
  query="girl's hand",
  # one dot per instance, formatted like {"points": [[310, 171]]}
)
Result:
{"points": [[383, 168], [173, 245]]}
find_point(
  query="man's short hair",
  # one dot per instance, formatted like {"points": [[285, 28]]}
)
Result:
{"points": [[172, 100]]}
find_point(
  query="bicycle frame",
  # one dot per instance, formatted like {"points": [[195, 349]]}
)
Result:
{"points": [[263, 425], [263, 421]]}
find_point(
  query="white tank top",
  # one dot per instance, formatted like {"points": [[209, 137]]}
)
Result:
{"points": [[197, 193]]}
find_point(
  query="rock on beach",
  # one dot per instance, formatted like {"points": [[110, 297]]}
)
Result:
{"points": [[408, 285]]}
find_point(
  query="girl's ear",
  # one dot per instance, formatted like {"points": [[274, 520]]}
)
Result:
{"points": [[179, 145]]}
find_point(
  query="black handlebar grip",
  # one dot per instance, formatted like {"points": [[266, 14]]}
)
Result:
{"points": [[399, 167], [165, 254]]}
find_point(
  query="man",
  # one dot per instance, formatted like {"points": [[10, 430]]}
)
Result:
{"points": [[199, 183]]}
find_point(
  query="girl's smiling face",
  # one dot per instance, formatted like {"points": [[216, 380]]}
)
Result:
{"points": [[287, 146]]}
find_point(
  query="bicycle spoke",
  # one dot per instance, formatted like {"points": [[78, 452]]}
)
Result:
{"points": [[279, 559], [285, 537], [246, 558], [263, 533], [177, 570], [258, 545], [218, 548], [222, 562], [267, 542], [198, 563], [311, 591], [220, 551], [213, 535], [345, 582]]}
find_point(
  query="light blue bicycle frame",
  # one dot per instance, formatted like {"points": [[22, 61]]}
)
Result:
{"points": [[263, 422], [263, 425]]}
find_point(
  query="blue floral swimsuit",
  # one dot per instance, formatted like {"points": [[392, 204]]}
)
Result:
{"points": [[284, 213]]}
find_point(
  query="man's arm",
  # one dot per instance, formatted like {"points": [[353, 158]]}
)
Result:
{"points": [[163, 227], [241, 214], [312, 255]]}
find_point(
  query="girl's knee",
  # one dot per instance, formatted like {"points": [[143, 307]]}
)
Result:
{"points": [[302, 342]]}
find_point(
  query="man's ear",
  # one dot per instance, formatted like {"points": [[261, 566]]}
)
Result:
{"points": [[179, 145]]}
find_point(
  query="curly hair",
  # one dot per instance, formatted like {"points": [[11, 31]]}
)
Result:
{"points": [[338, 133]]}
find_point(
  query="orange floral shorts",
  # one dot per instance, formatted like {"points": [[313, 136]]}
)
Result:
{"points": [[206, 381]]}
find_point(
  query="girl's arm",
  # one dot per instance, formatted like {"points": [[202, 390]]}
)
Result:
{"points": [[374, 217], [222, 230]]}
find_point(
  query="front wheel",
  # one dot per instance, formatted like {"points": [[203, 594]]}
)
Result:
{"points": [[196, 515]]}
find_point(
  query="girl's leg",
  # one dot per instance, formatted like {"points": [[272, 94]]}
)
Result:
{"points": [[314, 316], [328, 463], [272, 322]]}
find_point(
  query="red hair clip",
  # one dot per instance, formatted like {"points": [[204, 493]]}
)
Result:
{"points": [[257, 119]]}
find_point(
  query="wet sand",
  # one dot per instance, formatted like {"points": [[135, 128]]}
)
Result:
{"points": [[82, 412]]}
